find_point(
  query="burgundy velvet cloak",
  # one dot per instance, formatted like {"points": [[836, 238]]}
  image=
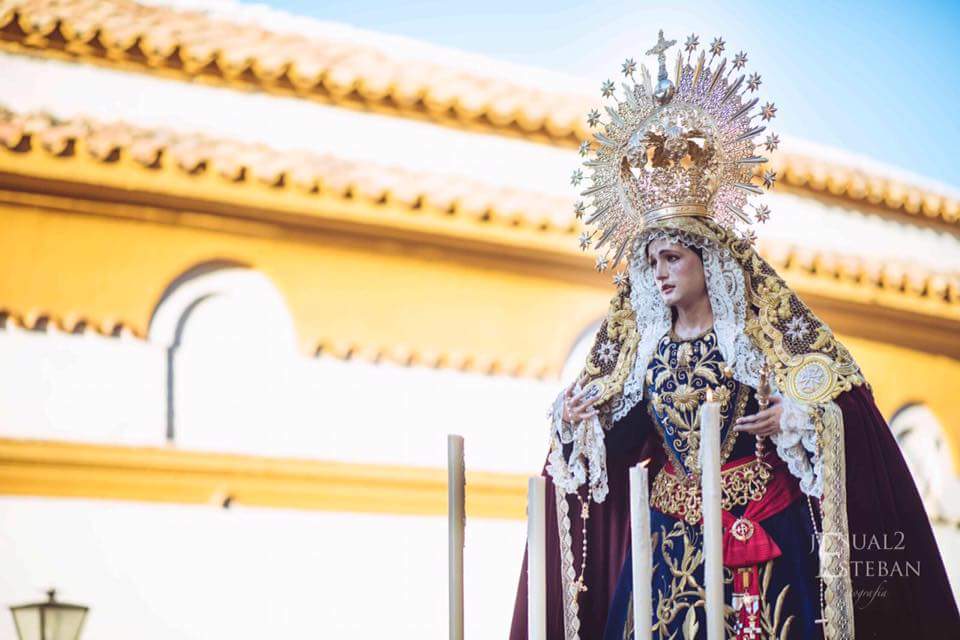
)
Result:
{"points": [[899, 582]]}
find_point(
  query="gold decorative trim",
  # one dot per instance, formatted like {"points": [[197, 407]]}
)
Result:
{"points": [[569, 588], [681, 496], [82, 470], [190, 46], [619, 331], [835, 539], [675, 211]]}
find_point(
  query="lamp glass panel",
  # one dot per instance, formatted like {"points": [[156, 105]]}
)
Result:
{"points": [[61, 623], [27, 620]]}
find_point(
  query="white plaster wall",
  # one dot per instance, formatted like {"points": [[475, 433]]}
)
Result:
{"points": [[169, 572], [93, 389], [80, 387], [239, 385]]}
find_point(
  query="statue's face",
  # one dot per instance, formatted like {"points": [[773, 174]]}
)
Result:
{"points": [[678, 272]]}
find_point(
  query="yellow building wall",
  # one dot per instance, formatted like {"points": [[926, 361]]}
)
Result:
{"points": [[416, 306], [901, 376], [105, 270]]}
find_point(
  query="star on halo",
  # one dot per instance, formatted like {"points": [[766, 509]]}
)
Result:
{"points": [[620, 279], [579, 208], [602, 263], [584, 148], [771, 142], [576, 177], [769, 177], [692, 43], [763, 213], [606, 89], [753, 82], [584, 241], [716, 47], [739, 60], [750, 236], [593, 118], [769, 110], [629, 66]]}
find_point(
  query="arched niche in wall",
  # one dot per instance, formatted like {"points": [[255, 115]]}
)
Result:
{"points": [[231, 363], [924, 444]]}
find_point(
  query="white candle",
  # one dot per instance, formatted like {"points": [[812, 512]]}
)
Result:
{"points": [[536, 560], [642, 559], [712, 516], [455, 528]]}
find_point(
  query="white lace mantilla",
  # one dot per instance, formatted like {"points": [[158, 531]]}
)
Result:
{"points": [[726, 287], [797, 446]]}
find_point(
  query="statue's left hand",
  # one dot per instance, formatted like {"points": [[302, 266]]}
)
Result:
{"points": [[763, 423]]}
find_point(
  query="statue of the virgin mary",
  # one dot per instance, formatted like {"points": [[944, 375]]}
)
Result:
{"points": [[824, 535]]}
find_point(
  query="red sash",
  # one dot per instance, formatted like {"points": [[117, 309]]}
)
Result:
{"points": [[745, 542]]}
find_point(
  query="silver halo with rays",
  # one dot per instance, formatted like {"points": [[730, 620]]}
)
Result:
{"points": [[684, 146]]}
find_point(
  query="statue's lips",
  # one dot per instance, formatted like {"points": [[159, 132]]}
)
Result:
{"points": [[667, 288]]}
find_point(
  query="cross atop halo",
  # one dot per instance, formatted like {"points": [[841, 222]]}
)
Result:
{"points": [[660, 50]]}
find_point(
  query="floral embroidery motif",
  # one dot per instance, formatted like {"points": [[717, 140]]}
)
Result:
{"points": [[679, 596], [679, 374]]}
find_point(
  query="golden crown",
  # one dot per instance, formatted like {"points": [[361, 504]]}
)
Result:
{"points": [[681, 147]]}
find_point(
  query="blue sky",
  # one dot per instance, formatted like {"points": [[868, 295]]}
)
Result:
{"points": [[881, 78]]}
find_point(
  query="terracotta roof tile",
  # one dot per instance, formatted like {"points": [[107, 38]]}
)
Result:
{"points": [[74, 323], [853, 184], [237, 162]]}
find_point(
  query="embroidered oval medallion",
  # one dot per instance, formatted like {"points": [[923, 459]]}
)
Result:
{"points": [[813, 380]]}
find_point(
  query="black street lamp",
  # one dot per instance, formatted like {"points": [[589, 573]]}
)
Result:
{"points": [[50, 620]]}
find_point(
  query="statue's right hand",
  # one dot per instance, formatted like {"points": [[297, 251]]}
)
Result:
{"points": [[578, 406]]}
